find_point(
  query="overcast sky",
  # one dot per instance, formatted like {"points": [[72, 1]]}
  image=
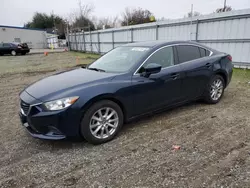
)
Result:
{"points": [[18, 12]]}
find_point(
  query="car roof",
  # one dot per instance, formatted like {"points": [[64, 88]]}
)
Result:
{"points": [[160, 43]]}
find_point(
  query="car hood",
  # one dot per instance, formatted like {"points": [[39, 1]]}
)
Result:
{"points": [[45, 89]]}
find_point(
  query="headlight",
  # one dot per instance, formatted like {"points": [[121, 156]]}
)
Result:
{"points": [[60, 103]]}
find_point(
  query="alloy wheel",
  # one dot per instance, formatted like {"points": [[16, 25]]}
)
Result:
{"points": [[13, 53], [104, 123], [216, 89]]}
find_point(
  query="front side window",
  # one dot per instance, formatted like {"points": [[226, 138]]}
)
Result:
{"points": [[120, 59], [163, 57], [188, 53]]}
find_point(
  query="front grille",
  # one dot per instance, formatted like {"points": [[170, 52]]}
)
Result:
{"points": [[25, 107]]}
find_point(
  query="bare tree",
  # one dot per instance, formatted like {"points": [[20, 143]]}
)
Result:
{"points": [[136, 16], [80, 18], [224, 9], [107, 22], [85, 9], [195, 14], [162, 19]]}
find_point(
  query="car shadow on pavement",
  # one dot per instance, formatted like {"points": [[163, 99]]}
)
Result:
{"points": [[160, 114]]}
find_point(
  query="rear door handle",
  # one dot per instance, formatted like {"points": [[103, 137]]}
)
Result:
{"points": [[174, 76]]}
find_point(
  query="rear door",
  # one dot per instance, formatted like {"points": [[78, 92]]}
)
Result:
{"points": [[6, 48], [161, 89], [196, 69]]}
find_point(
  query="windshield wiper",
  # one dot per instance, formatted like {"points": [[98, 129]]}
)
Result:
{"points": [[96, 69]]}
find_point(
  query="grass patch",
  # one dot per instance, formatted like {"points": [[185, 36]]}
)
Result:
{"points": [[241, 74], [84, 58], [82, 55], [39, 62]]}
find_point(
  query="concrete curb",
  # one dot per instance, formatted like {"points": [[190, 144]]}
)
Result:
{"points": [[41, 51], [241, 65]]}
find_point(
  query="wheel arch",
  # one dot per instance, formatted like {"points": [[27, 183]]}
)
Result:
{"points": [[223, 75], [110, 97]]}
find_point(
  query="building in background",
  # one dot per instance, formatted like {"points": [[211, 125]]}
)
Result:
{"points": [[35, 38], [54, 42]]}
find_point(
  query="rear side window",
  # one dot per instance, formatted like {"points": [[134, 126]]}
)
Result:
{"points": [[207, 52], [204, 52], [6, 45], [188, 53]]}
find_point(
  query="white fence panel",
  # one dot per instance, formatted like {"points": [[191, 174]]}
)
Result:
{"points": [[94, 37], [106, 47], [228, 32], [106, 37], [122, 36], [146, 34]]}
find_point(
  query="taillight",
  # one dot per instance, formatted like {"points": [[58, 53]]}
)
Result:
{"points": [[230, 58]]}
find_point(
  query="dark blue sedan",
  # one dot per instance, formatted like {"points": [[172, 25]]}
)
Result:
{"points": [[129, 81]]}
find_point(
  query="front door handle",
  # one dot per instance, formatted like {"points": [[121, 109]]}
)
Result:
{"points": [[208, 65]]}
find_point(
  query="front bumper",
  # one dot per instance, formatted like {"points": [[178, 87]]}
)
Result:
{"points": [[49, 134], [54, 125]]}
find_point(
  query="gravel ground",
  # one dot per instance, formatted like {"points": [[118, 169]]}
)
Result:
{"points": [[214, 141]]}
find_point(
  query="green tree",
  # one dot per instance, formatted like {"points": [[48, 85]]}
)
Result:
{"points": [[51, 23]]}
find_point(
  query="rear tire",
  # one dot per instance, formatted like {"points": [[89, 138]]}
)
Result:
{"points": [[101, 122], [13, 53], [23, 53], [215, 89]]}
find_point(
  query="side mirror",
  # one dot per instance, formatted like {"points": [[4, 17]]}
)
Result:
{"points": [[151, 68]]}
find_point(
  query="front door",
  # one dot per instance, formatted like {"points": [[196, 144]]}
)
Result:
{"points": [[160, 89]]}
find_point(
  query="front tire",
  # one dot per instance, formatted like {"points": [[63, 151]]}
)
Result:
{"points": [[23, 53], [215, 89], [101, 122], [13, 53]]}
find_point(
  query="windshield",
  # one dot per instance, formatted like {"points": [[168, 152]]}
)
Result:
{"points": [[120, 59]]}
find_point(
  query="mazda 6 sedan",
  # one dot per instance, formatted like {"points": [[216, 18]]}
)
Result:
{"points": [[127, 82]]}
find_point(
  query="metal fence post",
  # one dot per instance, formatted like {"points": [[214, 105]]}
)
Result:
{"points": [[76, 42], [132, 35], [90, 38], [84, 42], [197, 30], [157, 32], [113, 40], [69, 42], [98, 42]]}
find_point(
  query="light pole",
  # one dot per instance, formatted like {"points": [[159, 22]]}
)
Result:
{"points": [[225, 5], [191, 22]]}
